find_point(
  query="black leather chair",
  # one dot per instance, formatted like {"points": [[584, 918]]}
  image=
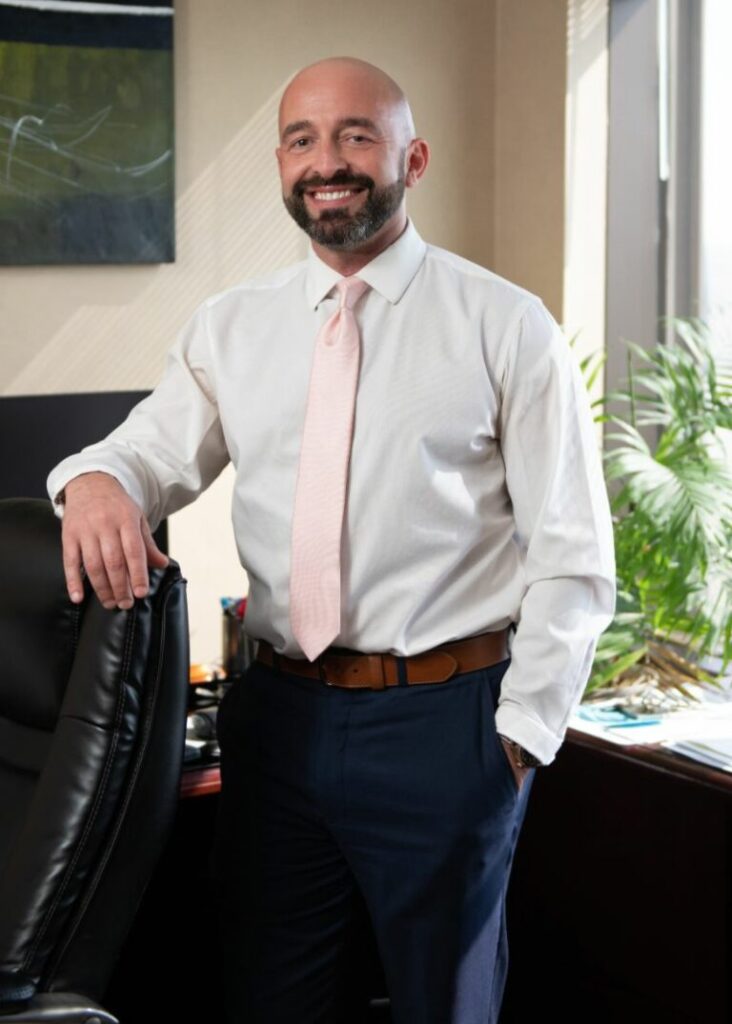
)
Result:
{"points": [[92, 732]]}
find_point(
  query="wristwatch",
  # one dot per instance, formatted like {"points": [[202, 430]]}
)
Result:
{"points": [[523, 757]]}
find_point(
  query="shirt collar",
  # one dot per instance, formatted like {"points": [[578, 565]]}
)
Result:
{"points": [[389, 273]]}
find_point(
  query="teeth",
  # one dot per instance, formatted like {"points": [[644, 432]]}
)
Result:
{"points": [[333, 195]]}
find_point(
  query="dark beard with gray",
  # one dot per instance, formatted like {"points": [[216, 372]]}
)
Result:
{"points": [[338, 229]]}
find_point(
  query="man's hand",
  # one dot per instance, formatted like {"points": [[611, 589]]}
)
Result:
{"points": [[104, 530], [519, 773]]}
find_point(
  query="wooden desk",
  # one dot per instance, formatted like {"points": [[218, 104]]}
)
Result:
{"points": [[620, 902], [204, 781]]}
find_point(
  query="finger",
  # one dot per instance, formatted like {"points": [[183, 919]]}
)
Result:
{"points": [[154, 554], [96, 572], [72, 569], [115, 564], [133, 546]]}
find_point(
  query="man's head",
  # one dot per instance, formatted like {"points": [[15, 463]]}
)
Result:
{"points": [[347, 152]]}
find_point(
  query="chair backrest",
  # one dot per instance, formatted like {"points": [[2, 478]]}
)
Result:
{"points": [[92, 732]]}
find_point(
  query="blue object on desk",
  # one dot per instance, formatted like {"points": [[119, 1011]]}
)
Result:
{"points": [[616, 717]]}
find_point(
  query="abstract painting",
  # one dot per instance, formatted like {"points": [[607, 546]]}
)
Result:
{"points": [[86, 132]]}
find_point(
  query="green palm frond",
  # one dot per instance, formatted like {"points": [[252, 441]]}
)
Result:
{"points": [[684, 495]]}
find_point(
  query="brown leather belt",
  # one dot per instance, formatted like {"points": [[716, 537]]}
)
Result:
{"points": [[341, 667]]}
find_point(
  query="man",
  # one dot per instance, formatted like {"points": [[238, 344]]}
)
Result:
{"points": [[417, 473]]}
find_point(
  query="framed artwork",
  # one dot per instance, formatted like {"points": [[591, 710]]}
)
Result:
{"points": [[86, 132]]}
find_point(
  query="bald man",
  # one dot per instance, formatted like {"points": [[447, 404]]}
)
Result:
{"points": [[420, 508]]}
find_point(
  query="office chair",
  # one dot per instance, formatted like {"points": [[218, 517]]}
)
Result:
{"points": [[92, 732]]}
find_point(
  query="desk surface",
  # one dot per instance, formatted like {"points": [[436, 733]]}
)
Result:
{"points": [[200, 781]]}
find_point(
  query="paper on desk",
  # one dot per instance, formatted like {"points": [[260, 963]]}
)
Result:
{"points": [[715, 752], [703, 731]]}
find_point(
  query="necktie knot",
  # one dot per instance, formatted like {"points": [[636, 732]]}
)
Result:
{"points": [[350, 290]]}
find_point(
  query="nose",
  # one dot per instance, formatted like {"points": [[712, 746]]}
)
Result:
{"points": [[329, 158]]}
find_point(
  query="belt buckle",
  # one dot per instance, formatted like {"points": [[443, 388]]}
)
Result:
{"points": [[322, 669]]}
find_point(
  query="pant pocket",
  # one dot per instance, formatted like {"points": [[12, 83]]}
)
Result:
{"points": [[500, 757]]}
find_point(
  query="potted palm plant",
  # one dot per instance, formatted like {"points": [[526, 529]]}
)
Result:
{"points": [[672, 512]]}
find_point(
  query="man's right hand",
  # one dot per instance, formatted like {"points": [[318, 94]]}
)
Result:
{"points": [[104, 530]]}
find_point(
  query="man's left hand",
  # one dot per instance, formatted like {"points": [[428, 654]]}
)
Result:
{"points": [[519, 773]]}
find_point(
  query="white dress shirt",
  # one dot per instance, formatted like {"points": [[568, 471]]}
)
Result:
{"points": [[476, 496]]}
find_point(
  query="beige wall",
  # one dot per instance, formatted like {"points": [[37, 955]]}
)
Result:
{"points": [[486, 79], [586, 148], [529, 91]]}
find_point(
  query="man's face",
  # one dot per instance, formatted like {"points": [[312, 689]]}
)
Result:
{"points": [[336, 224], [342, 159]]}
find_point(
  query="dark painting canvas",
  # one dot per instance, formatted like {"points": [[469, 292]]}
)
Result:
{"points": [[86, 132]]}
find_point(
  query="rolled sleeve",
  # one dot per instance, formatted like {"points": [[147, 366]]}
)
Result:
{"points": [[171, 446], [563, 527]]}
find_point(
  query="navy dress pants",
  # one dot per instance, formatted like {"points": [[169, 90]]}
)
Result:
{"points": [[406, 793]]}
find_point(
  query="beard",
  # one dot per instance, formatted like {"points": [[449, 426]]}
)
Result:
{"points": [[338, 229]]}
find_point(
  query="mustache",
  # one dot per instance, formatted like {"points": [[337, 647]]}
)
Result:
{"points": [[339, 178]]}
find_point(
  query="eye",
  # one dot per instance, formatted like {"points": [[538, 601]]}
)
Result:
{"points": [[358, 139], [300, 143]]}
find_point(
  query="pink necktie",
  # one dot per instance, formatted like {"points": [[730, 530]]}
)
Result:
{"points": [[320, 494]]}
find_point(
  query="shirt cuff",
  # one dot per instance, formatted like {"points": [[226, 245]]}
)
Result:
{"points": [[516, 723]]}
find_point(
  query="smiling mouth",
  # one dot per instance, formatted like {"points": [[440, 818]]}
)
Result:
{"points": [[333, 195]]}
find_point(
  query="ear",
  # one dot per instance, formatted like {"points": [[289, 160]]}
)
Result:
{"points": [[278, 154], [418, 156]]}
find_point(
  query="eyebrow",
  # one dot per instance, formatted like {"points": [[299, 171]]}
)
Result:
{"points": [[345, 122]]}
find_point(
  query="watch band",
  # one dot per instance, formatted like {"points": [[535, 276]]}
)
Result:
{"points": [[523, 757]]}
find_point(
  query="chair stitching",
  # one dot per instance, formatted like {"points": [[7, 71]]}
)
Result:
{"points": [[93, 813]]}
